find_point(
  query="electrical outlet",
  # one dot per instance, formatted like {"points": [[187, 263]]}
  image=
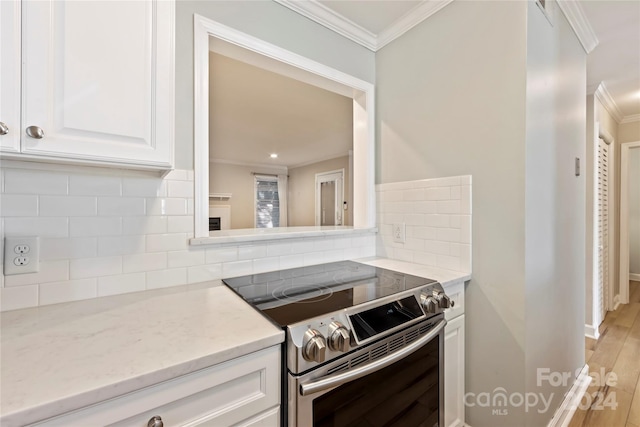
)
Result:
{"points": [[21, 255], [398, 233]]}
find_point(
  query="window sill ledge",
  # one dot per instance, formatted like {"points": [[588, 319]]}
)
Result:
{"points": [[262, 235]]}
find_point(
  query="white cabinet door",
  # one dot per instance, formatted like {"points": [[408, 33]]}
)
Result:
{"points": [[454, 372], [98, 80], [9, 76]]}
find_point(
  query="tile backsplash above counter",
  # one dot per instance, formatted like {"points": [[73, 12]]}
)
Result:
{"points": [[105, 232]]}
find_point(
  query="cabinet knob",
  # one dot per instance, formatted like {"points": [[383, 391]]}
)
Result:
{"points": [[4, 129], [35, 132], [155, 421]]}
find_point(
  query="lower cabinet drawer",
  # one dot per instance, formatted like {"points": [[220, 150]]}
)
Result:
{"points": [[222, 395]]}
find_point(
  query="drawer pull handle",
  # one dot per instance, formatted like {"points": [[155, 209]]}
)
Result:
{"points": [[155, 421], [35, 132]]}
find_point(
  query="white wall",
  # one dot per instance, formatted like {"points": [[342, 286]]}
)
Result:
{"points": [[555, 205], [634, 210]]}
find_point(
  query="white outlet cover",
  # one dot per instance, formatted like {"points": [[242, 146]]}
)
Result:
{"points": [[18, 248]]}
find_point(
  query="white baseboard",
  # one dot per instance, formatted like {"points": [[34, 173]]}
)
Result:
{"points": [[634, 276], [571, 400], [591, 331]]}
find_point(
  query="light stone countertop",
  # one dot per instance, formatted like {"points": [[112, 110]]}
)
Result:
{"points": [[445, 277], [61, 357]]}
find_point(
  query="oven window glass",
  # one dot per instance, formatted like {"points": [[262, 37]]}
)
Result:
{"points": [[405, 394]]}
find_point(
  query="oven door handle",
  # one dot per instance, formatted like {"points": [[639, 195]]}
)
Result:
{"points": [[331, 381]]}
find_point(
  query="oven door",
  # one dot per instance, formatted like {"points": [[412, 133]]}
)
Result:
{"points": [[397, 381]]}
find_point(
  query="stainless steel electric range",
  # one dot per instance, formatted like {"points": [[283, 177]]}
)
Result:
{"points": [[364, 345]]}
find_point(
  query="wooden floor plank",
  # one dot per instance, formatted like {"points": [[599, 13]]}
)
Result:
{"points": [[628, 314], [634, 412], [627, 367], [634, 291], [609, 346], [603, 415]]}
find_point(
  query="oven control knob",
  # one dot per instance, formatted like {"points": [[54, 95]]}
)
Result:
{"points": [[314, 346], [443, 300], [339, 337], [429, 303]]}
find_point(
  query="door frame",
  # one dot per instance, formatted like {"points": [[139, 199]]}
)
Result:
{"points": [[338, 196], [624, 219]]}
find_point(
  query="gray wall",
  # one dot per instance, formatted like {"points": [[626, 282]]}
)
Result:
{"points": [[452, 100], [634, 210], [271, 22], [555, 205]]}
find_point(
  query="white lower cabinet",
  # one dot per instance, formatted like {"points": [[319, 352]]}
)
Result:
{"points": [[454, 359], [241, 392]]}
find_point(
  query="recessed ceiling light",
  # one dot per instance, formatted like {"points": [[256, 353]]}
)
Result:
{"points": [[273, 155]]}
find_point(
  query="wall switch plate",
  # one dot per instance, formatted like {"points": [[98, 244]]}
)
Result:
{"points": [[399, 233], [21, 255]]}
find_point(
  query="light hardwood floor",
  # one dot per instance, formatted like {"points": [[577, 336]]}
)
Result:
{"points": [[617, 351]]}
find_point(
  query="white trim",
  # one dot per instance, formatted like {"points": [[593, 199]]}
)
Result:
{"points": [[579, 23], [322, 177], [607, 102], [364, 117], [616, 302], [624, 220], [334, 21], [592, 332], [630, 119], [321, 159], [409, 20], [571, 401], [634, 276]]}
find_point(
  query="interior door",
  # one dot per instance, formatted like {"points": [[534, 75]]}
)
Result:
{"points": [[329, 198], [602, 234]]}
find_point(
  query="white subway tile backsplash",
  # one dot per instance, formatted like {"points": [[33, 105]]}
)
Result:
{"points": [[144, 187], [179, 189], [99, 185], [66, 248], [121, 284], [167, 206], [109, 231], [436, 213], [68, 206], [18, 181], [70, 290], [144, 225], [186, 258], [121, 206], [166, 278], [166, 242], [95, 226], [18, 205], [94, 267], [144, 262], [203, 273], [121, 245], [18, 297], [180, 224], [36, 226], [50, 271]]}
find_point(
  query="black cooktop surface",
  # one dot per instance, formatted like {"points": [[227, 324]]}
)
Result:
{"points": [[294, 295]]}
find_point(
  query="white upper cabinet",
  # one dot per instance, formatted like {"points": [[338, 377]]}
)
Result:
{"points": [[98, 82], [9, 76]]}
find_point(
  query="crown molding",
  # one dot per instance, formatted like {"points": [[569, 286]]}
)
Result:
{"points": [[580, 24], [327, 17], [409, 20], [334, 21], [608, 103], [281, 168], [630, 119]]}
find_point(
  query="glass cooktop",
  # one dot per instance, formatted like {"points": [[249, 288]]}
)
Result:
{"points": [[294, 295]]}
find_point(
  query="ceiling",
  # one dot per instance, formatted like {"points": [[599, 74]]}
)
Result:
{"points": [[613, 25]]}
